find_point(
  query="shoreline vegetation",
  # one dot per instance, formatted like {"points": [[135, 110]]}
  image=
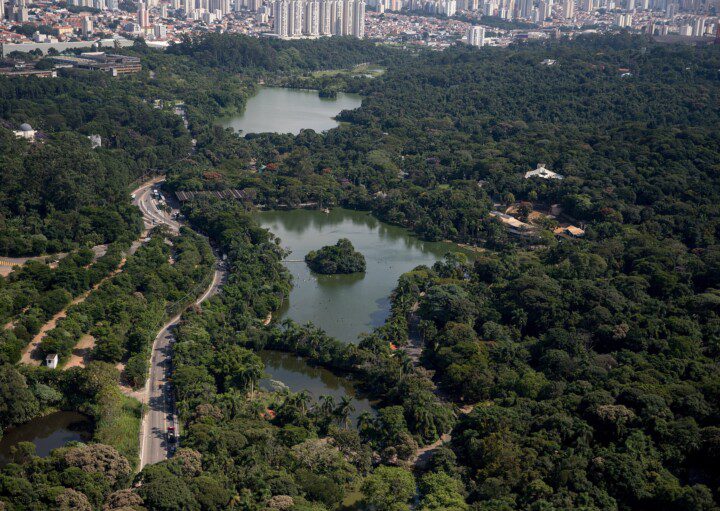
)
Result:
{"points": [[587, 363], [341, 258]]}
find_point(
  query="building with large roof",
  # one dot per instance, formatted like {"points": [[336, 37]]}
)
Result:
{"points": [[542, 172], [26, 131]]}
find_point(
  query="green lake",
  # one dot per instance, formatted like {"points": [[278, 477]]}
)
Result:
{"points": [[343, 305], [47, 433], [282, 110], [346, 305], [293, 372]]}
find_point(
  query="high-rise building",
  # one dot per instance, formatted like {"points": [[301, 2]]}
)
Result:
{"points": [[358, 19], [525, 8], [448, 7], [295, 23], [281, 12], [336, 14], [346, 22], [288, 16], [623, 20], [699, 27], [544, 10], [143, 15], [569, 9], [87, 26], [475, 36], [160, 31], [295, 18], [2, 10], [324, 17], [17, 11], [312, 18]]}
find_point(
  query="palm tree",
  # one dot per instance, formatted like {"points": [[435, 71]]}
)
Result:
{"points": [[327, 405], [343, 411], [406, 363], [301, 400], [365, 423]]}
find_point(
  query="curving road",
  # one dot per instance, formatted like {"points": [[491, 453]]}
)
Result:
{"points": [[152, 215], [158, 394]]}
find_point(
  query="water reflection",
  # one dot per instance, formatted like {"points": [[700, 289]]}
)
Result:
{"points": [[280, 110], [297, 375], [47, 433], [346, 305]]}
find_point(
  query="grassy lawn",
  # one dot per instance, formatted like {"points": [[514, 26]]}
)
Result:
{"points": [[119, 425], [363, 69]]}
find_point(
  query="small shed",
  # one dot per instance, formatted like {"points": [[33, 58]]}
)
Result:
{"points": [[52, 360], [570, 230]]}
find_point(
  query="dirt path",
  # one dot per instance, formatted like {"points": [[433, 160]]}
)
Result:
{"points": [[81, 353], [31, 355], [425, 454], [414, 350]]}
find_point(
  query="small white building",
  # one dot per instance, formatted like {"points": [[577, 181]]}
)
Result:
{"points": [[542, 172], [25, 132], [52, 360], [95, 141]]}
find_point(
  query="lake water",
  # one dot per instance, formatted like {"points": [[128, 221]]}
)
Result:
{"points": [[47, 433], [281, 110], [346, 305], [343, 305], [295, 373]]}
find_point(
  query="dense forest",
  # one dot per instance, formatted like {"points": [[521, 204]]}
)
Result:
{"points": [[62, 193], [561, 373], [442, 136], [36, 291], [581, 359]]}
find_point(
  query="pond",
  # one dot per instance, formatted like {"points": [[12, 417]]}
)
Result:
{"points": [[47, 433], [346, 305], [282, 110], [286, 369]]}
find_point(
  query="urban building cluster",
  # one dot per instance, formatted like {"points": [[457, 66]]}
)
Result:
{"points": [[314, 18], [89, 24]]}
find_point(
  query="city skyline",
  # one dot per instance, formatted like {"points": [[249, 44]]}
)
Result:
{"points": [[85, 22], [314, 18]]}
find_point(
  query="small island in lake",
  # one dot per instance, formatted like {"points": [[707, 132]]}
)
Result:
{"points": [[339, 258]]}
